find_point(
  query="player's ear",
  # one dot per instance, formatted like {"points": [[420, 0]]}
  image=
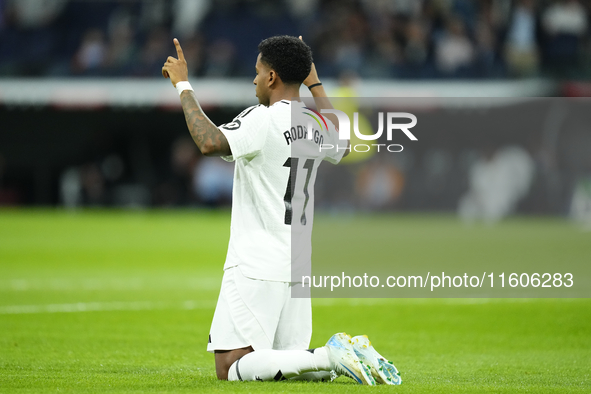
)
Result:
{"points": [[272, 78]]}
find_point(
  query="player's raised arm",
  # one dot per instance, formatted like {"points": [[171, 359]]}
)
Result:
{"points": [[209, 139], [313, 83], [321, 100]]}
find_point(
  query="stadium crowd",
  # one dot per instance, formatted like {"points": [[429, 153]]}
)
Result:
{"points": [[413, 39]]}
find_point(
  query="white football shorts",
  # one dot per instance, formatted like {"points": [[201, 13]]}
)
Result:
{"points": [[260, 314]]}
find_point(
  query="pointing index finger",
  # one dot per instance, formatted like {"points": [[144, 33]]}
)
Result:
{"points": [[179, 50]]}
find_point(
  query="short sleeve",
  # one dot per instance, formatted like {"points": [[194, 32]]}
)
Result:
{"points": [[335, 155], [247, 133]]}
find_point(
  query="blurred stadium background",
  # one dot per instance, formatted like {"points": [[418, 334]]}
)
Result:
{"points": [[87, 120]]}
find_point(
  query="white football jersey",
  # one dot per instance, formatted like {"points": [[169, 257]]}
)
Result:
{"points": [[268, 208]]}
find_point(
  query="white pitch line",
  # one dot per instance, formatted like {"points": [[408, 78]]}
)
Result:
{"points": [[210, 304], [114, 283], [104, 307]]}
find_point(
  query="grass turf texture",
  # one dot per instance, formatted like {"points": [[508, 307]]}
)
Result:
{"points": [[113, 301]]}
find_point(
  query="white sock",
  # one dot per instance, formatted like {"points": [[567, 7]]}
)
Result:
{"points": [[271, 364]]}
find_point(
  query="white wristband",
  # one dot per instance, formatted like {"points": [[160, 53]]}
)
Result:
{"points": [[183, 85]]}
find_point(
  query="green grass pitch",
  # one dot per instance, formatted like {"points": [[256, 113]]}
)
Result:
{"points": [[117, 301]]}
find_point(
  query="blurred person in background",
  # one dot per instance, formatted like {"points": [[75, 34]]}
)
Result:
{"points": [[33, 14], [383, 58], [416, 50], [350, 48], [521, 47], [70, 188], [565, 24], [91, 57], [497, 182], [221, 60], [154, 14], [303, 9], [177, 174], [184, 161], [486, 50], [30, 38], [379, 184], [187, 16], [195, 178], [187, 19], [212, 182], [122, 50], [93, 185], [195, 52], [154, 49], [454, 52]]}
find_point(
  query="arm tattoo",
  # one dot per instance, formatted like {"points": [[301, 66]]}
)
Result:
{"points": [[209, 139]]}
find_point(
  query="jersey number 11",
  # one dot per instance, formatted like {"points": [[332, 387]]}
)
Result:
{"points": [[292, 163]]}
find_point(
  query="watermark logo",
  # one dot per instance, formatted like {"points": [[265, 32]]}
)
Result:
{"points": [[391, 126]]}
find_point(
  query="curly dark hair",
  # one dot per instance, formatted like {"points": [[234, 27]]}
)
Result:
{"points": [[289, 56]]}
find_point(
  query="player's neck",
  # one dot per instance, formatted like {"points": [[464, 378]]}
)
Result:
{"points": [[285, 93]]}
